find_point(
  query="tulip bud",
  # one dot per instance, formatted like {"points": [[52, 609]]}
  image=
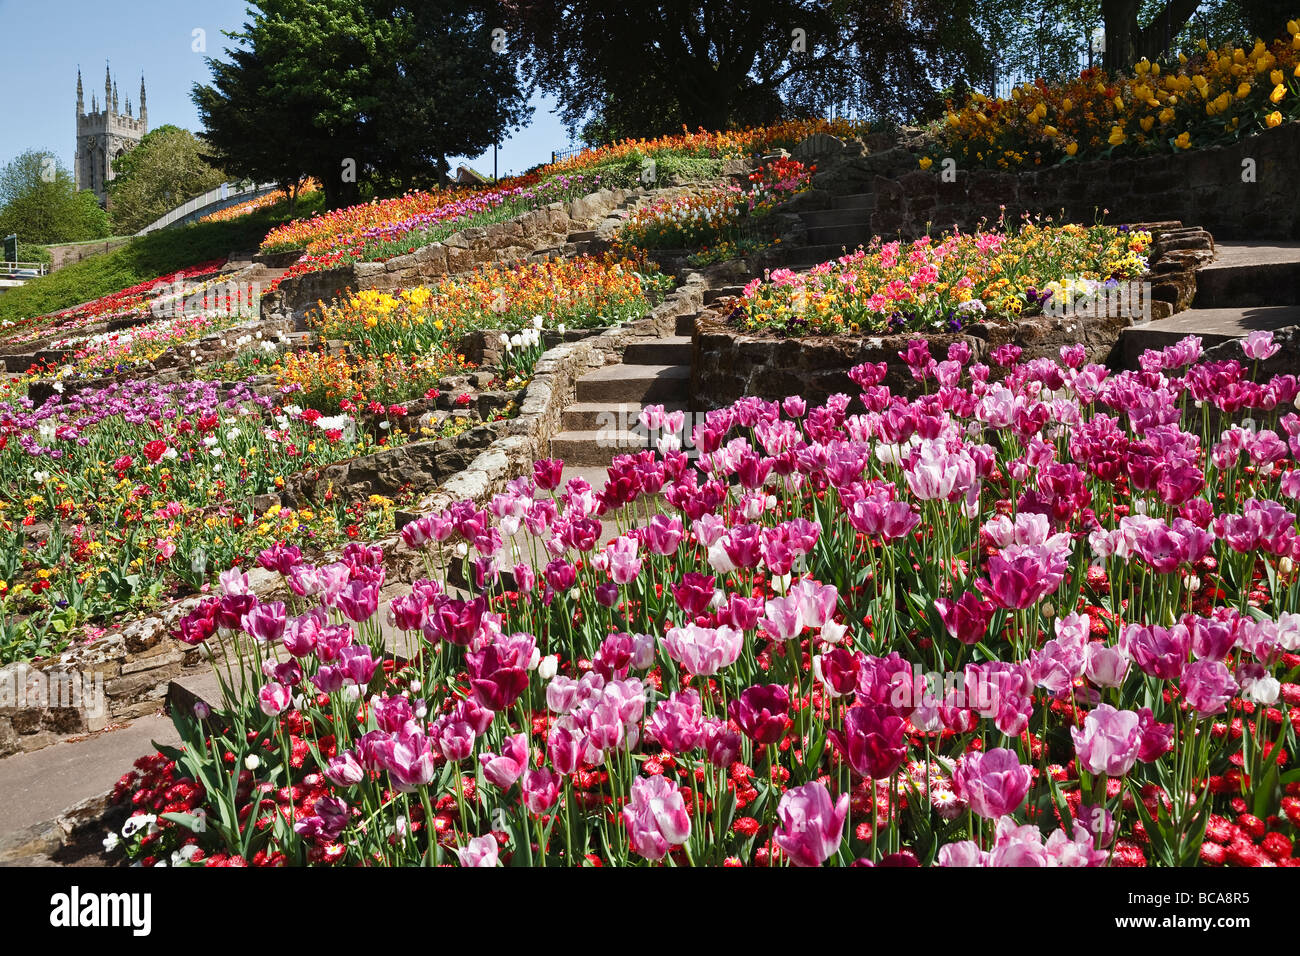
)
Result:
{"points": [[252, 762], [548, 666]]}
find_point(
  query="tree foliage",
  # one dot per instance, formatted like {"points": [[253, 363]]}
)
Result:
{"points": [[40, 203], [164, 170], [358, 92]]}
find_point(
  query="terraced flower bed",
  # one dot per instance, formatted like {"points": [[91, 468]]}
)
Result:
{"points": [[1053, 619]]}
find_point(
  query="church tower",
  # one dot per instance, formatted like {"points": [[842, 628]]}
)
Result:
{"points": [[104, 135]]}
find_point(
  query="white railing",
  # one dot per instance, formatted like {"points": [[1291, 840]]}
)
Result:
{"points": [[222, 195], [22, 270]]}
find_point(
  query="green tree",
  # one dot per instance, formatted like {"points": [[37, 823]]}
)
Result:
{"points": [[39, 201], [358, 92], [164, 170], [637, 69]]}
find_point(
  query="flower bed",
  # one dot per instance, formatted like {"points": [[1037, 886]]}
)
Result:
{"points": [[377, 231], [1050, 620], [132, 302], [115, 498], [1216, 97], [723, 220], [942, 284]]}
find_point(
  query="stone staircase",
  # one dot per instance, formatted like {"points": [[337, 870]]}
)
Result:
{"points": [[1248, 286], [831, 232], [603, 421]]}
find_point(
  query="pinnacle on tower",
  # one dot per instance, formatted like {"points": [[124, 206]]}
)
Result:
{"points": [[81, 97], [144, 110], [108, 88], [115, 107]]}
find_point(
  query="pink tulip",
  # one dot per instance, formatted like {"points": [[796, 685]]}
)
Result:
{"points": [[811, 824], [479, 851], [994, 781], [541, 789], [504, 770], [677, 722], [274, 698], [1207, 686], [703, 651], [874, 741], [655, 817], [1109, 741]]}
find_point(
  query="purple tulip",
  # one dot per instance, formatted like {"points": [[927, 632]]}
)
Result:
{"points": [[761, 712], [874, 741], [1207, 686]]}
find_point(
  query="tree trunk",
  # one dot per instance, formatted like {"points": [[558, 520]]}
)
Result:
{"points": [[1120, 17]]}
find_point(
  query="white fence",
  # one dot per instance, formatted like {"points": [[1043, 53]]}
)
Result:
{"points": [[227, 194]]}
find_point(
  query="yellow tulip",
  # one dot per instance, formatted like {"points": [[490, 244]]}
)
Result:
{"points": [[1143, 67], [926, 162], [1292, 27], [1273, 119], [1071, 149], [1243, 90], [1183, 141], [1119, 103], [1117, 136], [1166, 115], [1066, 104], [1155, 69], [1049, 130], [1146, 123], [1279, 92], [1276, 77]]}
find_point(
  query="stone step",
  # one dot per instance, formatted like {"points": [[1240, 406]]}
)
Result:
{"points": [[673, 350], [853, 216], [854, 201], [850, 236], [722, 292], [686, 323], [1214, 326], [595, 416], [1250, 275], [635, 383], [596, 447]]}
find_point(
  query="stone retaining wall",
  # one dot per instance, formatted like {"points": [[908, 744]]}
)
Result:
{"points": [[729, 364], [1204, 186], [536, 233]]}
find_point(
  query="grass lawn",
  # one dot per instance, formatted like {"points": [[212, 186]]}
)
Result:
{"points": [[145, 258]]}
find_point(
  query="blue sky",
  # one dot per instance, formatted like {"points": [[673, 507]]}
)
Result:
{"points": [[43, 41]]}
